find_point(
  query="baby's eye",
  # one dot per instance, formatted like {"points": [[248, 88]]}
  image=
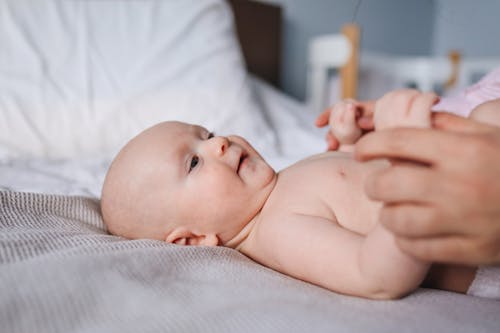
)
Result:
{"points": [[194, 163], [210, 135]]}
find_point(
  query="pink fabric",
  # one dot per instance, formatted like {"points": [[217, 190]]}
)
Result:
{"points": [[487, 89]]}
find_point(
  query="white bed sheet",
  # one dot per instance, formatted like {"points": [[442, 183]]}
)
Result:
{"points": [[293, 125]]}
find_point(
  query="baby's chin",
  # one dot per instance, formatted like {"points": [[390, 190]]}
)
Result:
{"points": [[269, 177]]}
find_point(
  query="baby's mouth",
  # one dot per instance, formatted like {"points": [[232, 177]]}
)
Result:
{"points": [[243, 158]]}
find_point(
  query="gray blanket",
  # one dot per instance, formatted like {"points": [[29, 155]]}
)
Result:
{"points": [[61, 272]]}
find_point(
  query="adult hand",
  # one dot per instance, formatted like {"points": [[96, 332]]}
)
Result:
{"points": [[444, 205], [363, 117]]}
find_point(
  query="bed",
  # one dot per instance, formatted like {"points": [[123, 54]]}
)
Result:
{"points": [[77, 79]]}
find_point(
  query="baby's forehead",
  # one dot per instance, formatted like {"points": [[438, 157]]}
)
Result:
{"points": [[167, 143], [167, 132], [179, 130]]}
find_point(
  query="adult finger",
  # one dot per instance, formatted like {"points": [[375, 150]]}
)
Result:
{"points": [[411, 220], [451, 122], [331, 141], [322, 119], [414, 144], [436, 249], [424, 101], [450, 249], [403, 183], [420, 109]]}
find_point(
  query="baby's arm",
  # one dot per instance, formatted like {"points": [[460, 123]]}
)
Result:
{"points": [[319, 251], [488, 112], [412, 108], [404, 108], [347, 119]]}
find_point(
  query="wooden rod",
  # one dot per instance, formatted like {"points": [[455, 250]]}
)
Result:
{"points": [[349, 72]]}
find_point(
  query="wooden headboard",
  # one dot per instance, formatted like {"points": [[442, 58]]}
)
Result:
{"points": [[258, 27]]}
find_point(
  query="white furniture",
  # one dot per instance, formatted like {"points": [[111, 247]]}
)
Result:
{"points": [[369, 75], [332, 52]]}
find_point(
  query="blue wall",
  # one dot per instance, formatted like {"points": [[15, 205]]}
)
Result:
{"points": [[395, 26], [413, 27], [473, 27]]}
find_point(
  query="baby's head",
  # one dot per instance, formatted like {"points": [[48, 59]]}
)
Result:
{"points": [[180, 183]]}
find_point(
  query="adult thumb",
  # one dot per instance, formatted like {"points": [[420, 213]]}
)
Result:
{"points": [[451, 122]]}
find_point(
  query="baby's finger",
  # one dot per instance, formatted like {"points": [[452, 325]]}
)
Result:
{"points": [[351, 113]]}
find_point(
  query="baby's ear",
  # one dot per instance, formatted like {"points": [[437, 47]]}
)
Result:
{"points": [[208, 240], [178, 236], [182, 236]]}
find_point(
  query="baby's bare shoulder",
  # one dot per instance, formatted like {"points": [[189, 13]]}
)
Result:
{"points": [[329, 186]]}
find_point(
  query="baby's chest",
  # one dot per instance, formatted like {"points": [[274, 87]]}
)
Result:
{"points": [[330, 189]]}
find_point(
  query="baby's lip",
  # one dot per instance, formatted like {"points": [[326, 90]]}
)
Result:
{"points": [[242, 158]]}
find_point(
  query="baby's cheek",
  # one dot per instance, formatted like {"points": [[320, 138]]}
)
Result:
{"points": [[220, 184]]}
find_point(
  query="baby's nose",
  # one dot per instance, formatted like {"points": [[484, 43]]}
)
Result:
{"points": [[218, 145]]}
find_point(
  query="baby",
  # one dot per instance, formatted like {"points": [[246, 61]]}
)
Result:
{"points": [[181, 184]]}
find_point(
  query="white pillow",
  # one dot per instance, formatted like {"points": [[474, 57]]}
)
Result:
{"points": [[81, 77]]}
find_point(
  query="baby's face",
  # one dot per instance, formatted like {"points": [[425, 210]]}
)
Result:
{"points": [[200, 184]]}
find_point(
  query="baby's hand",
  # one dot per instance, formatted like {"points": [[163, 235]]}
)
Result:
{"points": [[404, 108], [343, 123], [347, 120]]}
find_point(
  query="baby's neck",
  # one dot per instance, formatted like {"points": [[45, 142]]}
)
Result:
{"points": [[238, 241]]}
